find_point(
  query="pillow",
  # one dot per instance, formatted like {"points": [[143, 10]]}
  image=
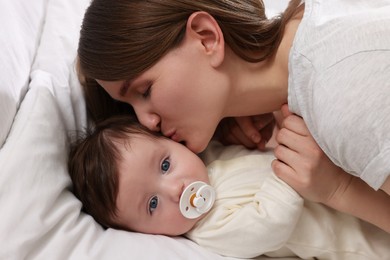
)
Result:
{"points": [[41, 218], [274, 7], [54, 63], [21, 25]]}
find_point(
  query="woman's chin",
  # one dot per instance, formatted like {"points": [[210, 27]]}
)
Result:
{"points": [[196, 147]]}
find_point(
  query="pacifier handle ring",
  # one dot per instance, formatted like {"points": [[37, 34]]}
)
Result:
{"points": [[206, 192]]}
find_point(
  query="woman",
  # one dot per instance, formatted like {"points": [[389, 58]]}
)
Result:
{"points": [[185, 65]]}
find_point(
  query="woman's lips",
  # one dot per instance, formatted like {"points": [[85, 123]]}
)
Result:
{"points": [[175, 137], [172, 135], [168, 133]]}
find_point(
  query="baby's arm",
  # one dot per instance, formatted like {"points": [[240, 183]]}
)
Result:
{"points": [[250, 131], [262, 225], [304, 166], [255, 212]]}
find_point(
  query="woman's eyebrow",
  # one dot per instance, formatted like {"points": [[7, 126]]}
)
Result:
{"points": [[125, 86]]}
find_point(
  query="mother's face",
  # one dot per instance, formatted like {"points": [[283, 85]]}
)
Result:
{"points": [[182, 96]]}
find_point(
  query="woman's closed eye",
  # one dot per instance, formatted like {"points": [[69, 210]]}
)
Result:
{"points": [[165, 165], [147, 92], [153, 203]]}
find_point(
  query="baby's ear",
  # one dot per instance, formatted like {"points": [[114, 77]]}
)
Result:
{"points": [[202, 26]]}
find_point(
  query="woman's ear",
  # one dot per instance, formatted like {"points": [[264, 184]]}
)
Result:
{"points": [[202, 27]]}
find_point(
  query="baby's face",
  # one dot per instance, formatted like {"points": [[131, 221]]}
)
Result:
{"points": [[152, 176]]}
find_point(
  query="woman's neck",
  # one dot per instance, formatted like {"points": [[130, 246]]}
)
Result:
{"points": [[256, 88], [261, 87]]}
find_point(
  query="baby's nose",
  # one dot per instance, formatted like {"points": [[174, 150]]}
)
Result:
{"points": [[175, 191]]}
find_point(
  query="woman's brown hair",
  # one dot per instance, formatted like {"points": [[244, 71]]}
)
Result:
{"points": [[120, 39]]}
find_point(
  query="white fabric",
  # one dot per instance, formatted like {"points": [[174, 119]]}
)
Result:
{"points": [[325, 233], [340, 83], [256, 213], [21, 25], [41, 219], [274, 7]]}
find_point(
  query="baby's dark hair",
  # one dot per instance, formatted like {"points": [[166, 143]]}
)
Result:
{"points": [[93, 165]]}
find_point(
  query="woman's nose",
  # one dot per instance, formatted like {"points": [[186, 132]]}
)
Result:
{"points": [[148, 119]]}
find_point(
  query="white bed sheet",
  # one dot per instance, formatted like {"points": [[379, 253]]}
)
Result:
{"points": [[19, 39], [41, 218]]}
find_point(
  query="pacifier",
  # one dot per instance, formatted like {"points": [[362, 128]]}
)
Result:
{"points": [[196, 199]]}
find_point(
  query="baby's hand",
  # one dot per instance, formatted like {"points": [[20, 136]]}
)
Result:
{"points": [[302, 164], [250, 131]]}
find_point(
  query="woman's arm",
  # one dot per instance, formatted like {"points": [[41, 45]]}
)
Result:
{"points": [[386, 186], [357, 198], [304, 166]]}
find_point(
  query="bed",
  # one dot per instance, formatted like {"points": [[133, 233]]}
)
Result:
{"points": [[41, 106]]}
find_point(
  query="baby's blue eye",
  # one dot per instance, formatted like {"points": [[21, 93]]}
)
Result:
{"points": [[153, 203], [165, 165]]}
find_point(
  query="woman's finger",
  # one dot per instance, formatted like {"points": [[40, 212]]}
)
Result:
{"points": [[289, 139], [284, 172], [285, 110], [286, 155], [296, 124]]}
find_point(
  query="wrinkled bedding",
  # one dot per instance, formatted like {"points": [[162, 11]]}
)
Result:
{"points": [[41, 108]]}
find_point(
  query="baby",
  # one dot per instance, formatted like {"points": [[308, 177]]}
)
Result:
{"points": [[130, 178]]}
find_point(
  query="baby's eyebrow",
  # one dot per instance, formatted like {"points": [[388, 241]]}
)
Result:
{"points": [[125, 86]]}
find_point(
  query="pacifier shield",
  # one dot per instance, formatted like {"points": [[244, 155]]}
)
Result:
{"points": [[196, 199]]}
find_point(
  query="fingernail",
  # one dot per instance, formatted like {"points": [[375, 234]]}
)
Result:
{"points": [[256, 138], [261, 146]]}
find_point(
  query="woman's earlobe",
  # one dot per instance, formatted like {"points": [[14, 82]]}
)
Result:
{"points": [[205, 28]]}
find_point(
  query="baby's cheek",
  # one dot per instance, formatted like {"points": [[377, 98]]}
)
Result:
{"points": [[190, 223]]}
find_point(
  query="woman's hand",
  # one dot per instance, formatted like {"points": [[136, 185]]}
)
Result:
{"points": [[250, 131], [303, 165]]}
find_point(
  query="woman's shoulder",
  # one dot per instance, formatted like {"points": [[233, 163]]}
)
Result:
{"points": [[333, 30]]}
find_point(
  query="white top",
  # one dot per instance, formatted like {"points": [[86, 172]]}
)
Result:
{"points": [[340, 83], [255, 213]]}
